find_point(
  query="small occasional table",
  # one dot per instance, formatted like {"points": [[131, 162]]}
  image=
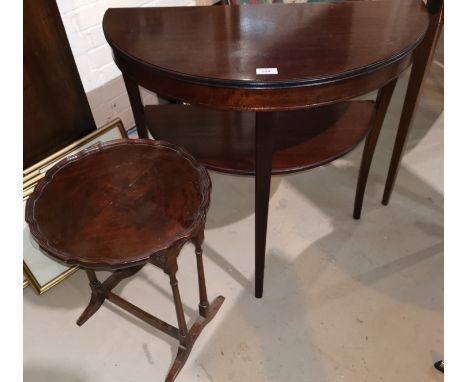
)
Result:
{"points": [[271, 88], [119, 206]]}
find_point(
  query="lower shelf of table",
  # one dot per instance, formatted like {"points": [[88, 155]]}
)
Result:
{"points": [[225, 140]]}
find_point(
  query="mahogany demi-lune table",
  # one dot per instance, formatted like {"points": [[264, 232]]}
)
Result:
{"points": [[266, 89], [119, 206]]}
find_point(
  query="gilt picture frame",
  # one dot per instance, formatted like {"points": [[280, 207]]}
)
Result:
{"points": [[40, 271], [25, 281]]}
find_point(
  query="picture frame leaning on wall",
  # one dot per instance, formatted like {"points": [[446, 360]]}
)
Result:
{"points": [[39, 271]]}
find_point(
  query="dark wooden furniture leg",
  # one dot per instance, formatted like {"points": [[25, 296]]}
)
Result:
{"points": [[96, 301], [383, 99], [183, 352], [137, 106], [203, 305], [171, 270], [100, 291], [264, 123], [421, 64], [187, 338]]}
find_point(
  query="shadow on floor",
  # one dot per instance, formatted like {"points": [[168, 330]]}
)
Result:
{"points": [[258, 336]]}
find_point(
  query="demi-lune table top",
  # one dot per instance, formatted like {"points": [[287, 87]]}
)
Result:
{"points": [[118, 204], [307, 43]]}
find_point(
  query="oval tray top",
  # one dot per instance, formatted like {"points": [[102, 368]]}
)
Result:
{"points": [[306, 44], [119, 203]]}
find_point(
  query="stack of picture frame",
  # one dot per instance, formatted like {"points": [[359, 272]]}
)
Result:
{"points": [[39, 271]]}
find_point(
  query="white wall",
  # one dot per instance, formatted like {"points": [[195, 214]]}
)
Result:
{"points": [[101, 78]]}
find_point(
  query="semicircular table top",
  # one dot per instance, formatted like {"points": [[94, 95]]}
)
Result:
{"points": [[308, 44]]}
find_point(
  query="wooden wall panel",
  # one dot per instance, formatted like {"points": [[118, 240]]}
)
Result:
{"points": [[55, 109]]}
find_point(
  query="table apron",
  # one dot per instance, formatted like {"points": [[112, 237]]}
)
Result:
{"points": [[242, 99]]}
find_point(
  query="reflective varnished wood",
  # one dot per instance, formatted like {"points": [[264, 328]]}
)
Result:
{"points": [[422, 63], [118, 206], [383, 100], [325, 53], [303, 139], [56, 112]]}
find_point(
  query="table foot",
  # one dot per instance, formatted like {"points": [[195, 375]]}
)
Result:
{"points": [[93, 306], [184, 352], [100, 291]]}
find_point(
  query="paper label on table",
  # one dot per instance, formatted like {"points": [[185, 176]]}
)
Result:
{"points": [[267, 70]]}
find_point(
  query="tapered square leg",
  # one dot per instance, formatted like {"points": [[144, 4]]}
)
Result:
{"points": [[264, 123], [421, 65], [382, 102]]}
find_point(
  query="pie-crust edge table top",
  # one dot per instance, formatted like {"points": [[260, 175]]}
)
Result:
{"points": [[119, 203]]}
